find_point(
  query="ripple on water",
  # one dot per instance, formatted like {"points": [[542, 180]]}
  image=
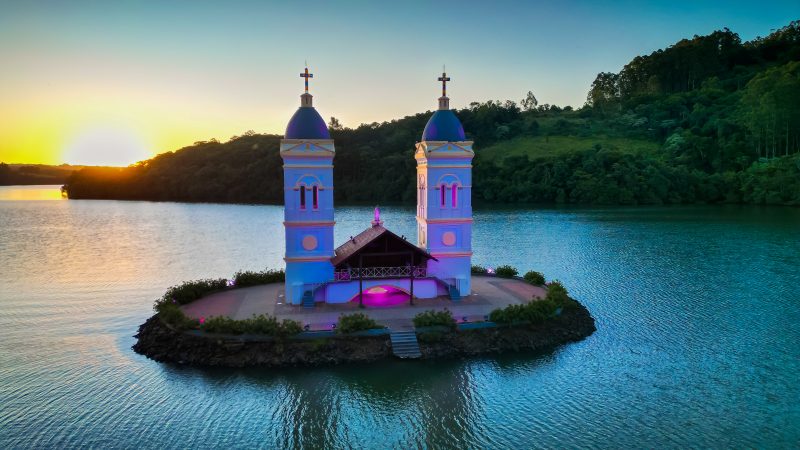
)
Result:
{"points": [[697, 308]]}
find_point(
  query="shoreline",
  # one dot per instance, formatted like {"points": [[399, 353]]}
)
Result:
{"points": [[161, 343]]}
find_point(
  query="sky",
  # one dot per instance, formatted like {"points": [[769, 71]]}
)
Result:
{"points": [[112, 83]]}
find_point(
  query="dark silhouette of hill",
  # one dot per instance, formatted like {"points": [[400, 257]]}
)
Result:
{"points": [[709, 119]]}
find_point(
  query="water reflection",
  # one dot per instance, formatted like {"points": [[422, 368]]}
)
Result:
{"points": [[388, 404], [18, 193], [696, 307]]}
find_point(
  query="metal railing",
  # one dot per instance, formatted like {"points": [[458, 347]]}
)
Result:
{"points": [[379, 272]]}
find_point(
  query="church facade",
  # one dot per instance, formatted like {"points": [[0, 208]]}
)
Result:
{"points": [[377, 267]]}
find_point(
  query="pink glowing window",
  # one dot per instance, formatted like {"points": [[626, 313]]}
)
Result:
{"points": [[454, 195], [302, 197], [442, 190], [315, 197]]}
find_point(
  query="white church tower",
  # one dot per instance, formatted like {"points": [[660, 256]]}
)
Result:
{"points": [[444, 196], [307, 151]]}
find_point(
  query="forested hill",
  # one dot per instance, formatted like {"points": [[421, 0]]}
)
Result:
{"points": [[28, 174], [709, 119]]}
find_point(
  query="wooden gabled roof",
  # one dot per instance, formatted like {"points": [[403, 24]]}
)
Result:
{"points": [[356, 243]]}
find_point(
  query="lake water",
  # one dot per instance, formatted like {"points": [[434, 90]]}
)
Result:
{"points": [[697, 309]]}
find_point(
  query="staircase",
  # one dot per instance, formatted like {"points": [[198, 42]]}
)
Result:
{"points": [[308, 299], [405, 345], [452, 290], [454, 294]]}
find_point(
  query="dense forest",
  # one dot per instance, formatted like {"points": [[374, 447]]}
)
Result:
{"points": [[27, 174], [709, 119]]}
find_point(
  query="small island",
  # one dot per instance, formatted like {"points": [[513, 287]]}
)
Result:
{"points": [[245, 322], [375, 295]]}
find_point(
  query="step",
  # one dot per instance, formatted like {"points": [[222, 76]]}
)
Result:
{"points": [[308, 300], [405, 344]]}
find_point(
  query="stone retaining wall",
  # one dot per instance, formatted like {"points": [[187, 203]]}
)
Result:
{"points": [[161, 343]]}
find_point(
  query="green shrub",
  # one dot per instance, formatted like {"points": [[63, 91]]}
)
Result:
{"points": [[250, 278], [536, 311], [190, 291], [506, 271], [290, 327], [350, 323], [534, 278], [432, 318], [261, 324], [168, 307], [223, 324], [478, 270], [171, 314], [557, 293]]}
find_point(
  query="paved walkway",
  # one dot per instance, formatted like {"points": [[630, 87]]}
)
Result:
{"points": [[488, 293]]}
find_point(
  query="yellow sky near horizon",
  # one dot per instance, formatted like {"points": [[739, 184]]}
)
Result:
{"points": [[110, 128], [112, 83]]}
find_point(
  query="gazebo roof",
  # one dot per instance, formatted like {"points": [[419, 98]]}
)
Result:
{"points": [[356, 244]]}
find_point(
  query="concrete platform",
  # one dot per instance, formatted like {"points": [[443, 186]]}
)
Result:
{"points": [[488, 293]]}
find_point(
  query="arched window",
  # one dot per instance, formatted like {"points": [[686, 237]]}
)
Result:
{"points": [[454, 194], [442, 190], [315, 197], [302, 197]]}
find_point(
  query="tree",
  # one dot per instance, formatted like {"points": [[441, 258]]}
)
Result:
{"points": [[604, 92], [5, 173], [334, 124], [529, 102], [770, 108]]}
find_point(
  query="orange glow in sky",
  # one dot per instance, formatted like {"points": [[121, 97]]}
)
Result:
{"points": [[96, 82]]}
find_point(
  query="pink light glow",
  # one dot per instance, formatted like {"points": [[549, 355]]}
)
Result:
{"points": [[383, 297], [202, 320]]}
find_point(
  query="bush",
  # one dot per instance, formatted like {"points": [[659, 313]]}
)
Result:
{"points": [[506, 271], [536, 311], [432, 318], [290, 327], [478, 270], [534, 278], [261, 324], [557, 293], [223, 324], [250, 278], [172, 315], [190, 291], [350, 323]]}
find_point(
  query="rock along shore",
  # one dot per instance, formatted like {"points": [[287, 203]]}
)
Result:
{"points": [[164, 344]]}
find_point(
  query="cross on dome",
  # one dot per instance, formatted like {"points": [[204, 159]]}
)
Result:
{"points": [[444, 79], [306, 75]]}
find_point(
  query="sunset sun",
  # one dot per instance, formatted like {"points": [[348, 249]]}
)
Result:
{"points": [[105, 145]]}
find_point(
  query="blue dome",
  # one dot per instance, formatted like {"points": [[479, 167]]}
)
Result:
{"points": [[444, 126], [306, 123]]}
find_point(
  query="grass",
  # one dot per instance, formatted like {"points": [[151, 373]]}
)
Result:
{"points": [[542, 146]]}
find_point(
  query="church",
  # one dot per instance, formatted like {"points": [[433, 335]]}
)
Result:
{"points": [[377, 267]]}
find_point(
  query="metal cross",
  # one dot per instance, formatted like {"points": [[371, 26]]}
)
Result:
{"points": [[307, 75], [444, 79]]}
